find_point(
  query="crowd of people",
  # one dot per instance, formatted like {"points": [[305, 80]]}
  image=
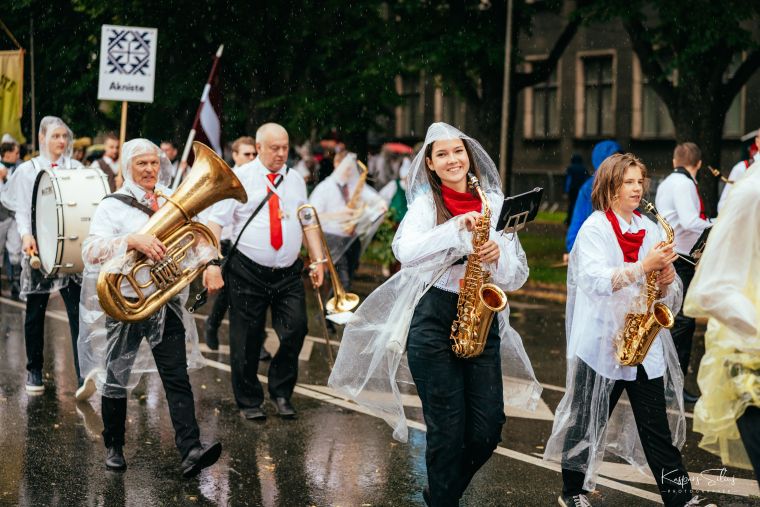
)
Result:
{"points": [[446, 202]]}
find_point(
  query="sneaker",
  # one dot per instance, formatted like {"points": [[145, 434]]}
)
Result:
{"points": [[574, 501], [34, 381], [87, 389]]}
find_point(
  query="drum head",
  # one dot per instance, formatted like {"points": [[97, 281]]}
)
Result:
{"points": [[47, 222]]}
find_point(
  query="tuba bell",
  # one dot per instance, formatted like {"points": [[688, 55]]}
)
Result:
{"points": [[210, 181]]}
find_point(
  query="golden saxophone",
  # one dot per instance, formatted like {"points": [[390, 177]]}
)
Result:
{"points": [[211, 180], [479, 300], [353, 203], [641, 329]]}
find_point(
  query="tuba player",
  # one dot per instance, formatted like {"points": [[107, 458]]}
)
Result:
{"points": [[112, 351]]}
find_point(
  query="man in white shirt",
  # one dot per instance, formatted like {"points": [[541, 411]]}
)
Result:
{"points": [[243, 151], [108, 163], [740, 168], [55, 140], [678, 201], [264, 271]]}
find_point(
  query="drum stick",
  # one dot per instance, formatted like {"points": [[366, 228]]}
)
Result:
{"points": [[34, 260]]}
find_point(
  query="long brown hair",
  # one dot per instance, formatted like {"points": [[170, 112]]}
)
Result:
{"points": [[441, 212]]}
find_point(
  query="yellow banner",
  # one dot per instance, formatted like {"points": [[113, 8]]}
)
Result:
{"points": [[11, 93]]}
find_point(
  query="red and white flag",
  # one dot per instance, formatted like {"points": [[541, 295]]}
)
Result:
{"points": [[207, 125]]}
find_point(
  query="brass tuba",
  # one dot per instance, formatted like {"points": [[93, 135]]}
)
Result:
{"points": [[640, 329], [478, 300], [342, 301], [211, 180]]}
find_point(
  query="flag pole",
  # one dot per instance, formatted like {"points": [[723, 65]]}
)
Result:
{"points": [[122, 138], [191, 134]]}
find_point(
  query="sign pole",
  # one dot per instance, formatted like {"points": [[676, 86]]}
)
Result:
{"points": [[122, 138]]}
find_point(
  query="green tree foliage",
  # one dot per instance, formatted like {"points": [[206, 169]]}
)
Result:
{"points": [[310, 65], [686, 50]]}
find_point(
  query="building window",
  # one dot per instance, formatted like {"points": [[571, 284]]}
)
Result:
{"points": [[655, 117], [410, 115], [546, 107], [733, 124], [598, 103]]}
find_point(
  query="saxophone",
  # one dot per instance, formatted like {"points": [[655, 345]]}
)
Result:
{"points": [[479, 300], [641, 329], [353, 203]]}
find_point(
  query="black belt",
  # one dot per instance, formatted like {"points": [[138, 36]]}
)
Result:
{"points": [[269, 272]]}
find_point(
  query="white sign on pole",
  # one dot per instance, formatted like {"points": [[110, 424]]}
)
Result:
{"points": [[127, 63]]}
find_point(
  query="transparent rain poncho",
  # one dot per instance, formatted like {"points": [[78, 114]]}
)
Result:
{"points": [[104, 350], [726, 288], [601, 290], [19, 196], [341, 225], [371, 367]]}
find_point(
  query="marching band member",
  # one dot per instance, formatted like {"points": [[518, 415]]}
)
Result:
{"points": [[10, 241], [741, 168], [615, 250], [681, 206], [112, 351], [55, 140], [462, 399], [264, 271], [109, 162], [347, 225], [725, 290]]}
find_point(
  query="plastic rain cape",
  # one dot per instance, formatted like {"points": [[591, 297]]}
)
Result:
{"points": [[371, 367], [599, 295], [726, 288], [100, 337], [337, 220], [32, 280]]}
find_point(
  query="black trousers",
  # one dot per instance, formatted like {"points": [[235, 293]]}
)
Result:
{"points": [[171, 361], [462, 399], [749, 429], [34, 325], [647, 397], [348, 264], [253, 289], [683, 327], [222, 302]]}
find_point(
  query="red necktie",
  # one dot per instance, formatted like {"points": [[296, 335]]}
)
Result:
{"points": [[53, 165], [275, 225], [152, 200]]}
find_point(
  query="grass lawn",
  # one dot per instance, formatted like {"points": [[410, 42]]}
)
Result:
{"points": [[544, 247]]}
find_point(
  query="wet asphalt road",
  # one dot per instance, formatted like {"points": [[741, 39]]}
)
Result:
{"points": [[51, 451]]}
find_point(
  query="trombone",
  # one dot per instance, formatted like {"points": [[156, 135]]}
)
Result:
{"points": [[716, 172], [319, 253]]}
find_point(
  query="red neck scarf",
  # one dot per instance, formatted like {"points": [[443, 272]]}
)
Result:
{"points": [[459, 203], [629, 242]]}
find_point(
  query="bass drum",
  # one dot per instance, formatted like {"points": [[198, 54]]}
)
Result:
{"points": [[63, 203]]}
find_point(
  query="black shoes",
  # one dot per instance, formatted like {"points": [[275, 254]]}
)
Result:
{"points": [[212, 338], [574, 501], [253, 414], [199, 458], [284, 408], [115, 459], [34, 382], [689, 398]]}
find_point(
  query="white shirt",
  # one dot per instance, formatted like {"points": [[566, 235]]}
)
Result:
{"points": [[111, 163], [204, 215], [678, 202], [327, 197], [255, 242], [23, 187], [596, 313], [736, 173], [115, 219]]}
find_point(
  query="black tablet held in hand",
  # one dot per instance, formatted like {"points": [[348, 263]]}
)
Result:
{"points": [[518, 210]]}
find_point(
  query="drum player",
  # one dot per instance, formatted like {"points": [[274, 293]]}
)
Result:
{"points": [[55, 140]]}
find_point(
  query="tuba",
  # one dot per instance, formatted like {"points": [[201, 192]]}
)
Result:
{"points": [[478, 300], [640, 329], [342, 301], [211, 180]]}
